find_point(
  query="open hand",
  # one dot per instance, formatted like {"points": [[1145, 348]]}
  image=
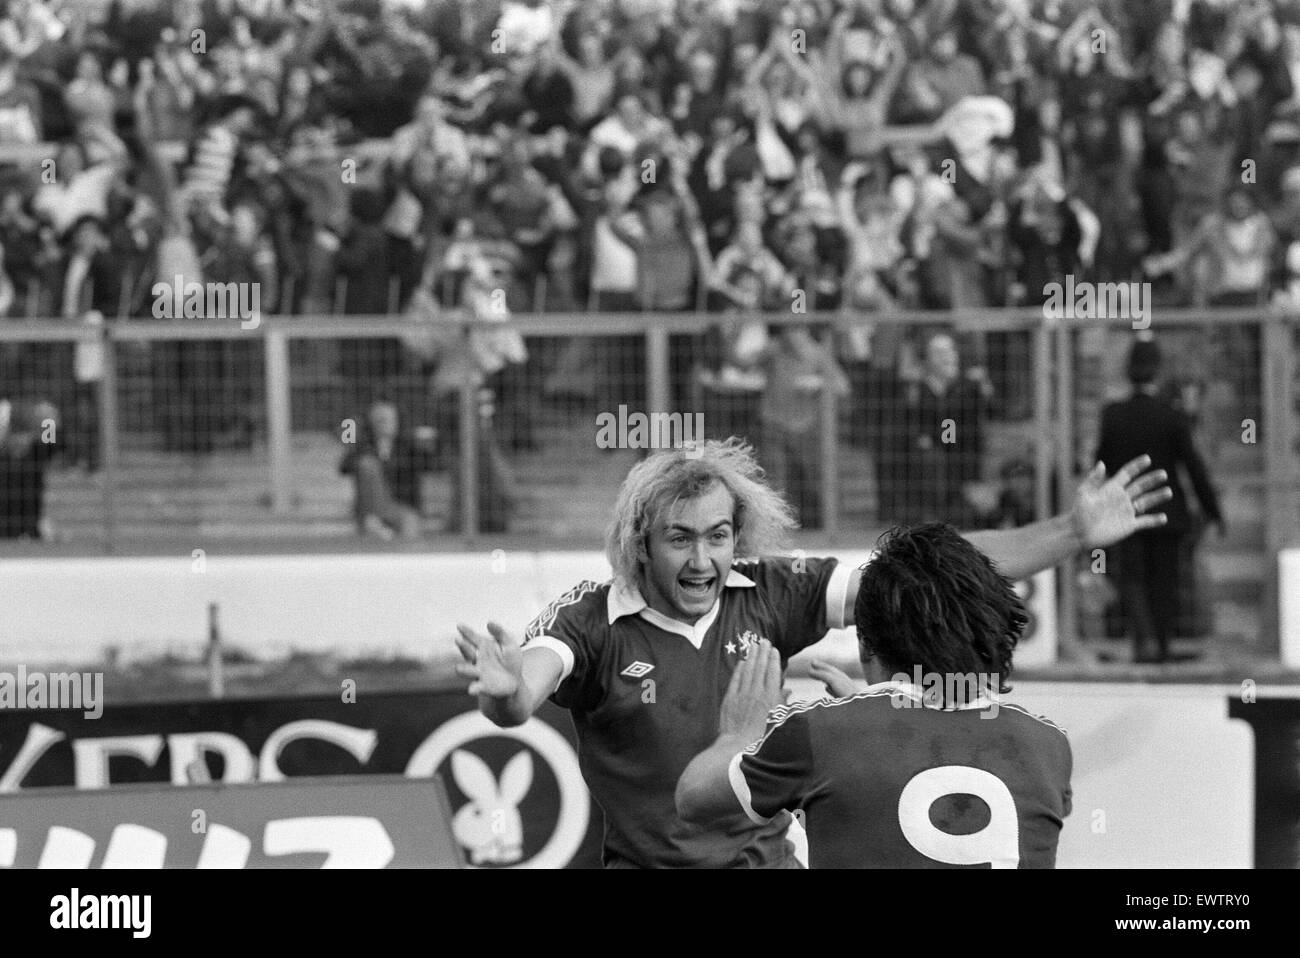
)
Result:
{"points": [[838, 682], [1106, 511], [493, 663], [754, 691]]}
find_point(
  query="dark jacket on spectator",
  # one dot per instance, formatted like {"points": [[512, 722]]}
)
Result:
{"points": [[964, 404], [402, 469], [1144, 424], [22, 488], [364, 260]]}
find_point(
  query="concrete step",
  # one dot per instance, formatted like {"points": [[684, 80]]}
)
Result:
{"points": [[565, 488]]}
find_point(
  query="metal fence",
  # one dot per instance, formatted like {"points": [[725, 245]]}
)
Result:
{"points": [[524, 427]]}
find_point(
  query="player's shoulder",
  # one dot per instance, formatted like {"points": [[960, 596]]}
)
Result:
{"points": [[886, 695], [1026, 714], [866, 706], [774, 568], [583, 604], [1018, 713], [832, 708], [1039, 736], [813, 717], [759, 570]]}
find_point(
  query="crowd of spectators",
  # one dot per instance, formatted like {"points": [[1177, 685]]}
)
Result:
{"points": [[385, 157]]}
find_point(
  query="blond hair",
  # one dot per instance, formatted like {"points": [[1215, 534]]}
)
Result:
{"points": [[763, 520]]}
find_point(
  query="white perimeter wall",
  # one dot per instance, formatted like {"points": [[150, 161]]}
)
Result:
{"points": [[1162, 776]]}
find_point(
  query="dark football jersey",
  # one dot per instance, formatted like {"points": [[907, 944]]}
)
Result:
{"points": [[886, 781], [645, 692]]}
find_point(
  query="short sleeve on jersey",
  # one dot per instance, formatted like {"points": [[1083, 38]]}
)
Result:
{"points": [[1068, 795], [1061, 761], [807, 596], [775, 772], [567, 626]]}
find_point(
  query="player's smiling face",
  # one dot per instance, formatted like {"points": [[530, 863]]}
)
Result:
{"points": [[690, 549]]}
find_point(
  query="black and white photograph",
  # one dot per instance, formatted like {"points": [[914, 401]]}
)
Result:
{"points": [[651, 434]]}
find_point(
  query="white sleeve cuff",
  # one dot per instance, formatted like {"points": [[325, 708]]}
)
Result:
{"points": [[559, 648], [837, 591], [741, 787]]}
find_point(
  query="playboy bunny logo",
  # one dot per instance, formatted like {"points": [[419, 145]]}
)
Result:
{"points": [[443, 752], [489, 826]]}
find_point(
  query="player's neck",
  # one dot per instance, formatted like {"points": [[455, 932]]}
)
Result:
{"points": [[875, 673], [659, 605]]}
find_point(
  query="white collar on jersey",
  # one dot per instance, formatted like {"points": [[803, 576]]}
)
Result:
{"points": [[625, 598], [917, 694]]}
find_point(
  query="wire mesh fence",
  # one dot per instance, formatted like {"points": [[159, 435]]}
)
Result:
{"points": [[432, 424]]}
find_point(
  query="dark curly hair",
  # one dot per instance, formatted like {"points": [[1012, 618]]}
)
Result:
{"points": [[931, 599]]}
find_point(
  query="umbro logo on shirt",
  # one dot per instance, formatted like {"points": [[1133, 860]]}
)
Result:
{"points": [[637, 669]]}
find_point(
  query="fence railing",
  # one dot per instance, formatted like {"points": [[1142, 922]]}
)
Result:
{"points": [[1042, 383]]}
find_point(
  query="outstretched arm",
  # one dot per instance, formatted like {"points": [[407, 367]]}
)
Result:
{"points": [[511, 682], [892, 76], [1104, 512]]}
